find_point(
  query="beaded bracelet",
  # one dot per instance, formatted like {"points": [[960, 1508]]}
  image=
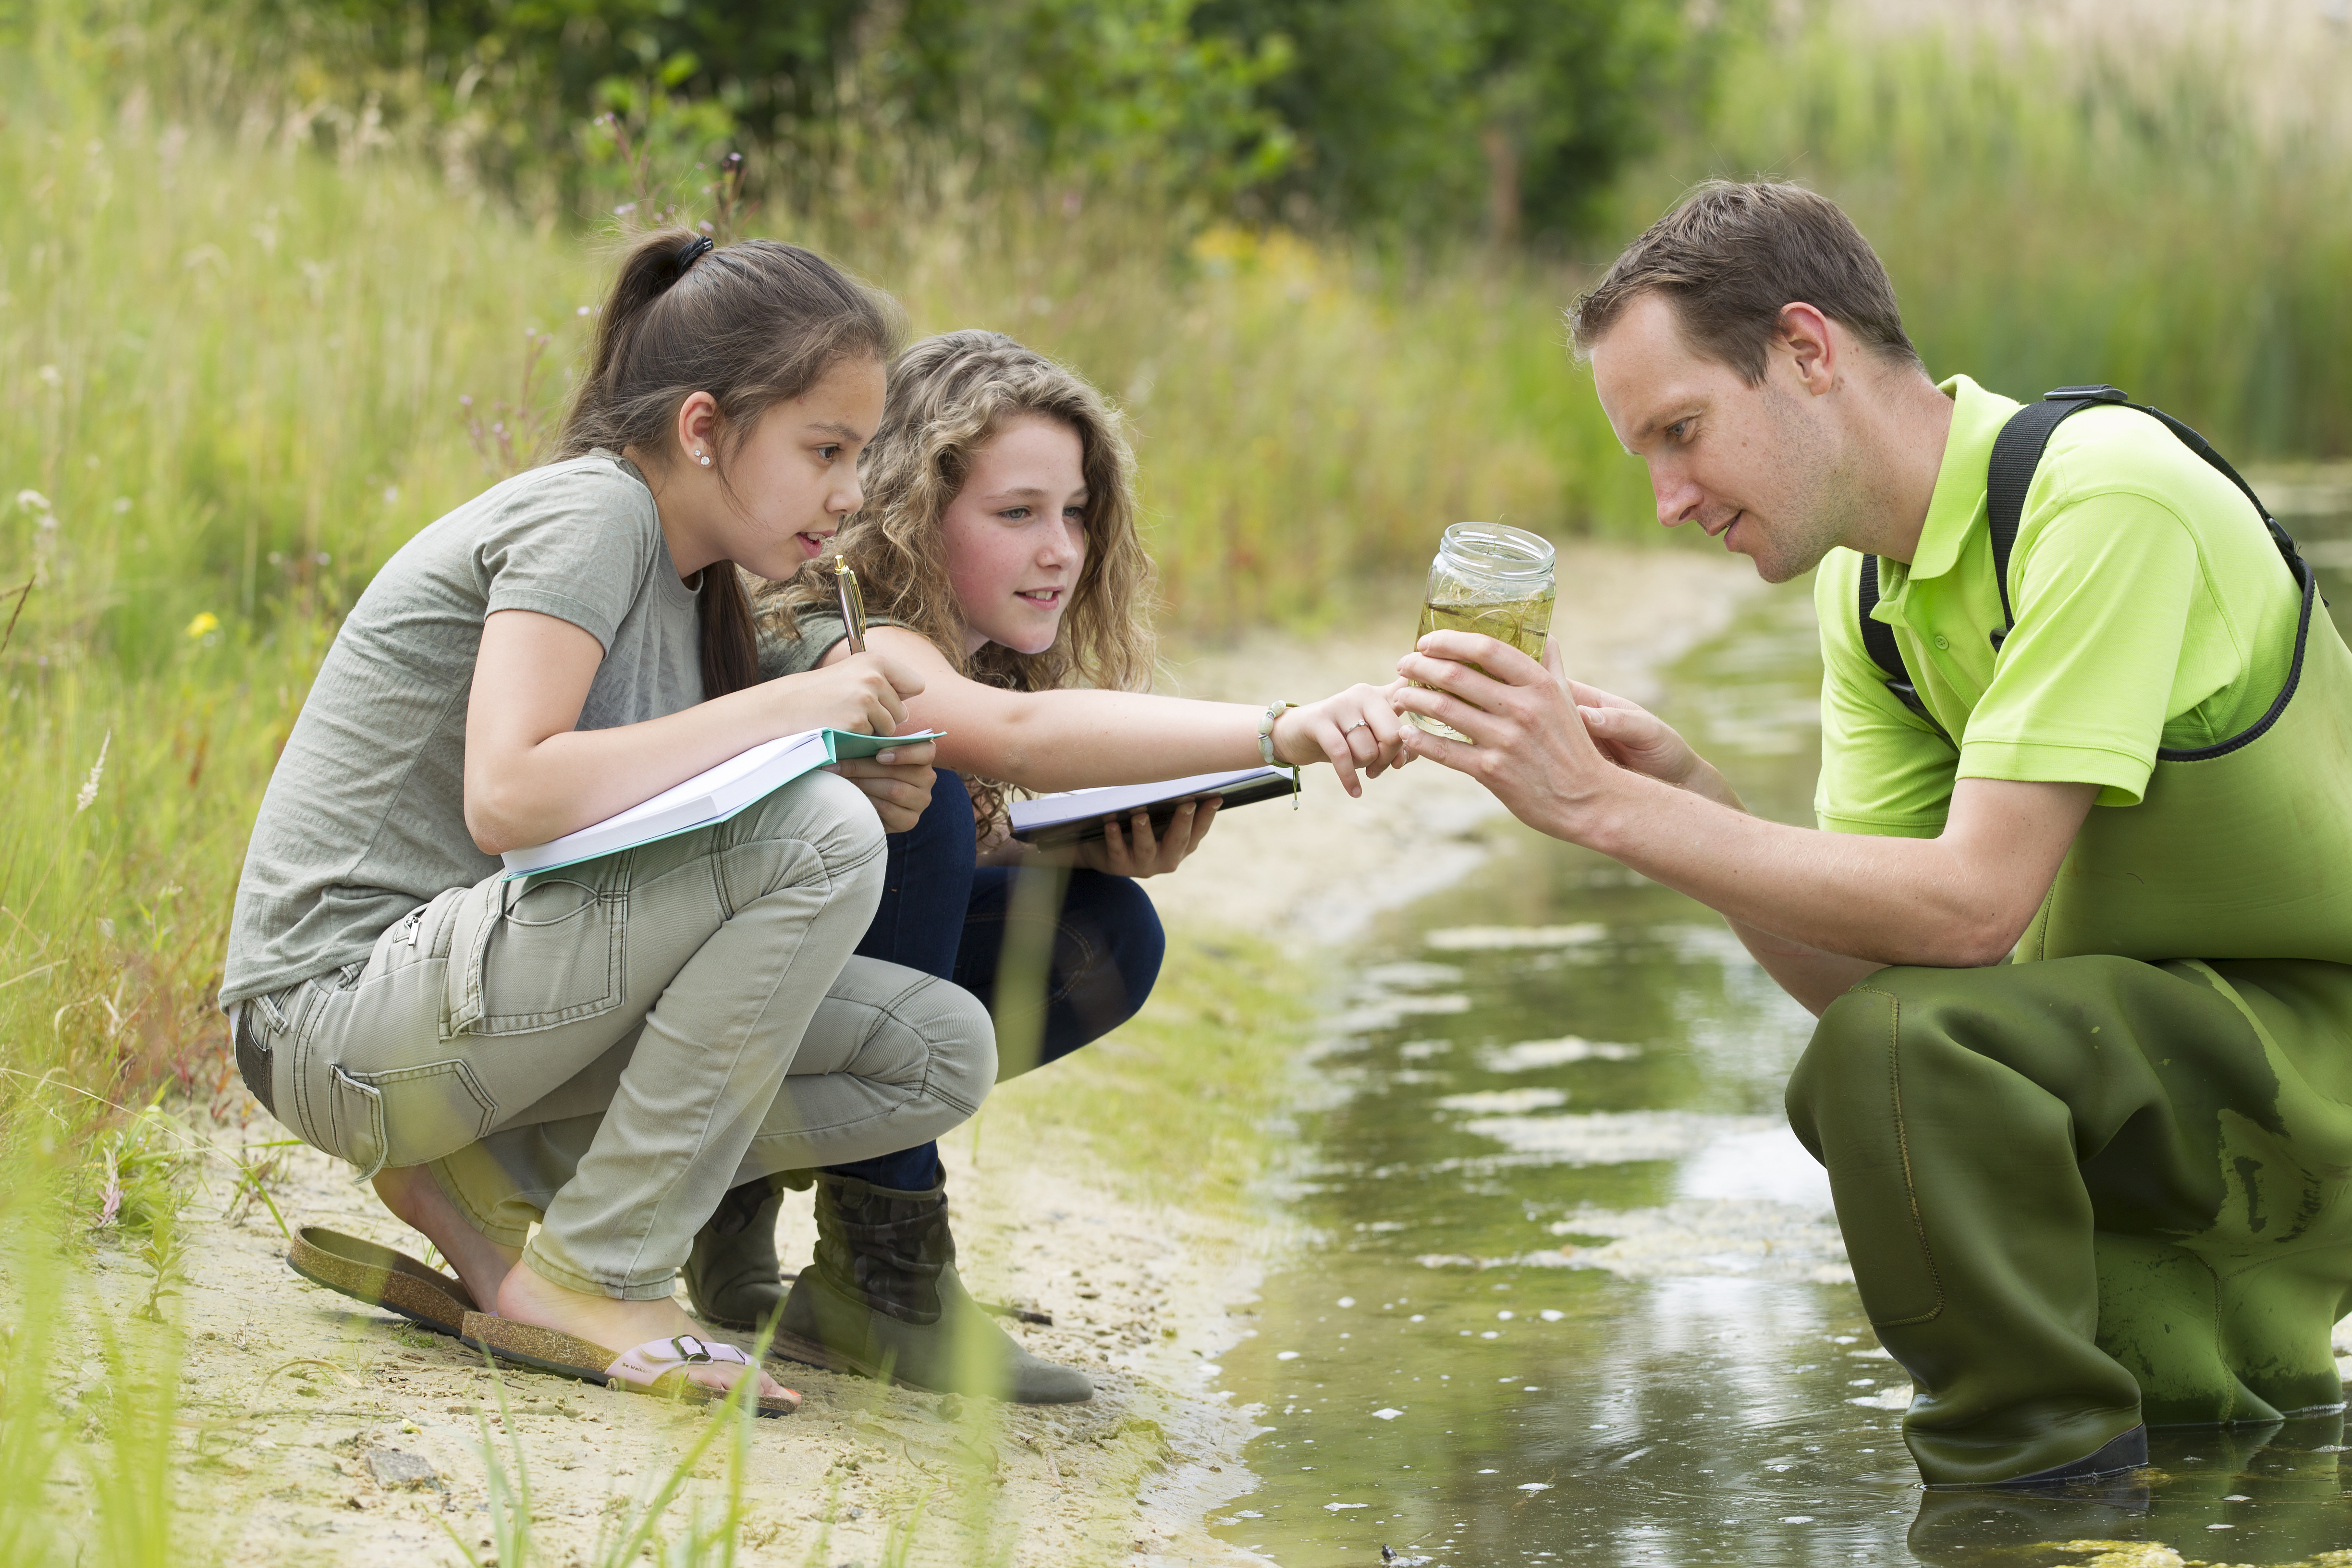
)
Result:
{"points": [[1274, 711]]}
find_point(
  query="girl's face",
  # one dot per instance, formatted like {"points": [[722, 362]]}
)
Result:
{"points": [[1016, 535], [794, 477]]}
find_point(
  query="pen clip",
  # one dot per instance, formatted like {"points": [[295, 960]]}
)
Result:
{"points": [[853, 604]]}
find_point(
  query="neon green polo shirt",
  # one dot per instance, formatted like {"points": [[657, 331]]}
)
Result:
{"points": [[2152, 610]]}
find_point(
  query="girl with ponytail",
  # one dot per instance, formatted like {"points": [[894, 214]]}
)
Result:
{"points": [[602, 1050]]}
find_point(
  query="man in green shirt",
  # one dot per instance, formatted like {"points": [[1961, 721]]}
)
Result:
{"points": [[2078, 922]]}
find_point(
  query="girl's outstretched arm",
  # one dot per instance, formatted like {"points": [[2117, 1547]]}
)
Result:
{"points": [[531, 776], [1078, 739]]}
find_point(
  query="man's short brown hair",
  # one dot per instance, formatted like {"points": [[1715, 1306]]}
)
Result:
{"points": [[1730, 256]]}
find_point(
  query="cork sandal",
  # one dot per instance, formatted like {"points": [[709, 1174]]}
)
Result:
{"points": [[656, 1367], [381, 1277]]}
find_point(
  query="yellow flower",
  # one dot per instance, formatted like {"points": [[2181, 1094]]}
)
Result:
{"points": [[202, 624]]}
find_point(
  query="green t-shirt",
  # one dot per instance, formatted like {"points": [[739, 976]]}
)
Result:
{"points": [[2152, 610], [365, 817]]}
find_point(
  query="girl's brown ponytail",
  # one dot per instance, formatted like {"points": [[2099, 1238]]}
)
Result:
{"points": [[753, 324]]}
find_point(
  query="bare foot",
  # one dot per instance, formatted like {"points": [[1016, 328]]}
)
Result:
{"points": [[527, 1297], [411, 1192]]}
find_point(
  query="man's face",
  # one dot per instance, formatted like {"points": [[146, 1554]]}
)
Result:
{"points": [[1756, 467]]}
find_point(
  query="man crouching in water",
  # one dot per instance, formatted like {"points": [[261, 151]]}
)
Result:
{"points": [[2077, 920]]}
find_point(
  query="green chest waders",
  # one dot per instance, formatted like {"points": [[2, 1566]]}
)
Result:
{"points": [[2110, 1182]]}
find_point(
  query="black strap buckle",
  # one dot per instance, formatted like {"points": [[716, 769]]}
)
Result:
{"points": [[2102, 393]]}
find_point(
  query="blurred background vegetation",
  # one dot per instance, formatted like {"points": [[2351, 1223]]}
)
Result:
{"points": [[282, 281]]}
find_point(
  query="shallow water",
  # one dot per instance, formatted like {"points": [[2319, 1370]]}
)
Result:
{"points": [[1578, 1294]]}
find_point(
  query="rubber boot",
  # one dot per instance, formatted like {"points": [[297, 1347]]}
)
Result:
{"points": [[733, 1275], [882, 1299], [2118, 1456]]}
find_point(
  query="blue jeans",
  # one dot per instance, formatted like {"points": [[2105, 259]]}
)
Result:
{"points": [[946, 915]]}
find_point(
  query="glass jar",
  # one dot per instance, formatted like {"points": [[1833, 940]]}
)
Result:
{"points": [[1491, 579]]}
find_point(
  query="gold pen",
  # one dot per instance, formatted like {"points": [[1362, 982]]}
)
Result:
{"points": [[853, 604]]}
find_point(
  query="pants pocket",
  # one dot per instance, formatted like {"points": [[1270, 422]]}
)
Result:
{"points": [[553, 953], [355, 1117], [410, 1116]]}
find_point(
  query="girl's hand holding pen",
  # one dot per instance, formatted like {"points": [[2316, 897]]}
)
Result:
{"points": [[866, 693]]}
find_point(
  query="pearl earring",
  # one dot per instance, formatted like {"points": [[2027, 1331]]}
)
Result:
{"points": [[703, 457]]}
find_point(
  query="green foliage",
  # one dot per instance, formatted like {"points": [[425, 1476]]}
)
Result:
{"points": [[1095, 90], [1418, 121], [1427, 118]]}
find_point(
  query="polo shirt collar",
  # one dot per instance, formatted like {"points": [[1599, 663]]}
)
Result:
{"points": [[1978, 416]]}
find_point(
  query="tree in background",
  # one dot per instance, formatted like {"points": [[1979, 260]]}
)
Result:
{"points": [[1418, 121], [1423, 118], [1092, 89]]}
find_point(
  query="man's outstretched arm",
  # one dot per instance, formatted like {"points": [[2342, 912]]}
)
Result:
{"points": [[1818, 910]]}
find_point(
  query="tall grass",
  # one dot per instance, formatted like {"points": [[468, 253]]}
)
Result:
{"points": [[230, 384], [2158, 195]]}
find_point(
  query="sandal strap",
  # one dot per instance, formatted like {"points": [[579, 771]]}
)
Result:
{"points": [[648, 1364]]}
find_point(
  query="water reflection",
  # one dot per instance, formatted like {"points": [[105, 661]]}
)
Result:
{"points": [[1581, 1297]]}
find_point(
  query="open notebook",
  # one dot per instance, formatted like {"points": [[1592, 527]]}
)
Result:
{"points": [[710, 796], [1054, 821]]}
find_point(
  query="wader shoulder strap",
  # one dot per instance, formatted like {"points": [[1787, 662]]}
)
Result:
{"points": [[1878, 641], [2016, 452]]}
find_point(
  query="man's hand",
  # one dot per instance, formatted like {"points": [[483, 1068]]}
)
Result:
{"points": [[899, 782], [1533, 749], [1138, 852], [1640, 741]]}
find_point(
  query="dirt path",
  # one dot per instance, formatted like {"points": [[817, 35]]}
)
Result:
{"points": [[302, 1414]]}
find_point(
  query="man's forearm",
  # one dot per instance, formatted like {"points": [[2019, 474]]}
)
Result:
{"points": [[1813, 977], [1958, 900], [1818, 895]]}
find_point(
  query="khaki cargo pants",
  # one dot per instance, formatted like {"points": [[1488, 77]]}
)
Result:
{"points": [[694, 1000]]}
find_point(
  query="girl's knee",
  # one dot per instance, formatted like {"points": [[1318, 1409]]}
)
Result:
{"points": [[959, 1038], [829, 815], [1130, 931], [925, 1037]]}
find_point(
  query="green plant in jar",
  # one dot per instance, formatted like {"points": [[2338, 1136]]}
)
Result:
{"points": [[1490, 579]]}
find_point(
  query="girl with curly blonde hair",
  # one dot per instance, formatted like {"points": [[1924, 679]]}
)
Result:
{"points": [[1000, 559]]}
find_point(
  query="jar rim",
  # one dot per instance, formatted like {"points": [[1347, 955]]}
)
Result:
{"points": [[1498, 549]]}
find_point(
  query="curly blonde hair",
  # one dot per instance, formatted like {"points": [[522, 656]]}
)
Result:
{"points": [[948, 395]]}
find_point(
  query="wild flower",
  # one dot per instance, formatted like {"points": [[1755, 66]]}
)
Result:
{"points": [[111, 1204], [203, 624], [97, 771]]}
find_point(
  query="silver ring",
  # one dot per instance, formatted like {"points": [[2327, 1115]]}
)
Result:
{"points": [[1350, 728]]}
